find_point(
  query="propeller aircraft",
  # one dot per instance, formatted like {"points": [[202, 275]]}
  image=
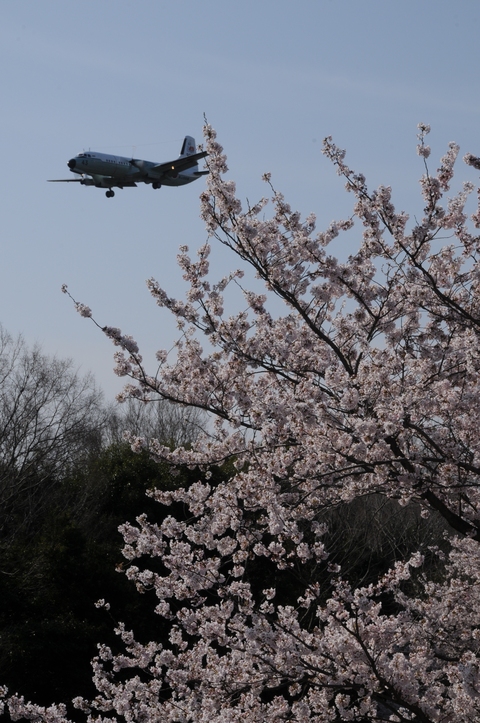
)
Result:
{"points": [[106, 171]]}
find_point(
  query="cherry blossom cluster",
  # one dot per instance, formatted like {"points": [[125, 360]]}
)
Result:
{"points": [[368, 382]]}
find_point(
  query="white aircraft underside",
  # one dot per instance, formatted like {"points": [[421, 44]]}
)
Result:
{"points": [[106, 171]]}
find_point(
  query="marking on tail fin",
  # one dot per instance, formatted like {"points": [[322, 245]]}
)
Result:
{"points": [[188, 146]]}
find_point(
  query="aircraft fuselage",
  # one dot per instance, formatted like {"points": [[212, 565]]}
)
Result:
{"points": [[103, 167]]}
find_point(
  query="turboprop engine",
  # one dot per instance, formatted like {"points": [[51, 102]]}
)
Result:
{"points": [[87, 181], [96, 180], [147, 177], [141, 165]]}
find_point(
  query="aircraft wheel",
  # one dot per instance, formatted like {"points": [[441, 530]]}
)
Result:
{"points": [[156, 185], [110, 194]]}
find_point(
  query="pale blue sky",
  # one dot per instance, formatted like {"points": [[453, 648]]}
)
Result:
{"points": [[273, 77]]}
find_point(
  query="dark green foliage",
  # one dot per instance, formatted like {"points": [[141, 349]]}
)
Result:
{"points": [[50, 580], [367, 536]]}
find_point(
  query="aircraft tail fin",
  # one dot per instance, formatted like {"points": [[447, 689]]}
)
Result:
{"points": [[188, 147]]}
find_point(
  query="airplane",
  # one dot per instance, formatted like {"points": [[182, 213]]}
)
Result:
{"points": [[106, 171]]}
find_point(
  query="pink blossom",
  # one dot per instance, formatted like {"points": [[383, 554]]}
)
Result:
{"points": [[364, 381]]}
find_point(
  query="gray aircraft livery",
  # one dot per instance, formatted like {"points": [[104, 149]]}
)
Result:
{"points": [[105, 171]]}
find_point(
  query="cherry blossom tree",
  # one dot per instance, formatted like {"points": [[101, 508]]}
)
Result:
{"points": [[366, 382]]}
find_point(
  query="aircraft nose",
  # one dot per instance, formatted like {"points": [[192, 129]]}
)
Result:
{"points": [[72, 163]]}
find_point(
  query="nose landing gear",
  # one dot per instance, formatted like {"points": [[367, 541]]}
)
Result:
{"points": [[110, 193]]}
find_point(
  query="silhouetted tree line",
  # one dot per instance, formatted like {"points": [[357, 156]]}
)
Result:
{"points": [[68, 480]]}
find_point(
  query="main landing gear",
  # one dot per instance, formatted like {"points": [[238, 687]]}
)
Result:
{"points": [[110, 193]]}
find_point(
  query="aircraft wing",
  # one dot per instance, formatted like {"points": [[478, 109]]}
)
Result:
{"points": [[99, 182], [181, 164]]}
